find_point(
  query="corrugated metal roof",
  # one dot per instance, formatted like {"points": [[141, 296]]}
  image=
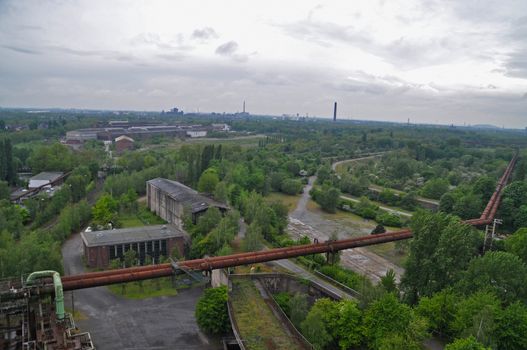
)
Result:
{"points": [[131, 235], [186, 195]]}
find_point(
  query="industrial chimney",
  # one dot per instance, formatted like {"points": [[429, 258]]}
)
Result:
{"points": [[335, 112]]}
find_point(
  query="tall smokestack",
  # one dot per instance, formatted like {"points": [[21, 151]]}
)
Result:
{"points": [[335, 112], [243, 106]]}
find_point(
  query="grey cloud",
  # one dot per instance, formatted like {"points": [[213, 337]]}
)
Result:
{"points": [[516, 64], [21, 50], [153, 39], [227, 49], [204, 34]]}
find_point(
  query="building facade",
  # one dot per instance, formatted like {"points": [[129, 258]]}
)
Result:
{"points": [[100, 247], [171, 200], [124, 143]]}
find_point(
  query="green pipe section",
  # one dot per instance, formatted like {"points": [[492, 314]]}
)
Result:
{"points": [[57, 283]]}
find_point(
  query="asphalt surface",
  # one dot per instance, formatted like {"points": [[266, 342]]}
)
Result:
{"points": [[118, 323], [303, 222]]}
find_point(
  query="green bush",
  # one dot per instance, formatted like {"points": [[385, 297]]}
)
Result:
{"points": [[211, 311], [385, 218]]}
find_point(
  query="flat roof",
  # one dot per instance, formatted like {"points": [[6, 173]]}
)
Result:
{"points": [[47, 175], [131, 235], [185, 195]]}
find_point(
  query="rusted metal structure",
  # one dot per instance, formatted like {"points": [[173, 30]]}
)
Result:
{"points": [[95, 279]]}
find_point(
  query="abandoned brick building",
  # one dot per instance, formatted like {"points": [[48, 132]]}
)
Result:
{"points": [[100, 247], [170, 199]]}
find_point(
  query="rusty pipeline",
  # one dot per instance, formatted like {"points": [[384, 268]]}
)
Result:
{"points": [[95, 279]]}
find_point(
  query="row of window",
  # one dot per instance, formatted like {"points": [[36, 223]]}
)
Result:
{"points": [[154, 249]]}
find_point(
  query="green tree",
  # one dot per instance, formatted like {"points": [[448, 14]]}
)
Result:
{"points": [[348, 326], [328, 199], [253, 238], [389, 282], [208, 181], [387, 316], [467, 206], [439, 310], [420, 265], [291, 186], [512, 327], [323, 174], [105, 210], [221, 192], [298, 307], [476, 316], [517, 244], [208, 221], [501, 272], [434, 188], [469, 343], [211, 311], [484, 186], [4, 190], [317, 325]]}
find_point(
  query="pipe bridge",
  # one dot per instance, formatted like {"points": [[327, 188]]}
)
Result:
{"points": [[95, 279]]}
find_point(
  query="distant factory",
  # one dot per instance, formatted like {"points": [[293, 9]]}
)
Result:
{"points": [[137, 131]]}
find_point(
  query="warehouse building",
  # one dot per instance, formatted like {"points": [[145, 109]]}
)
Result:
{"points": [[100, 247], [44, 179], [170, 199]]}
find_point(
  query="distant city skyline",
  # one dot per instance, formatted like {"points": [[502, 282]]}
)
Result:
{"points": [[438, 62]]}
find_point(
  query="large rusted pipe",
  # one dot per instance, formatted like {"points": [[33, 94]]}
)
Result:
{"points": [[125, 276]]}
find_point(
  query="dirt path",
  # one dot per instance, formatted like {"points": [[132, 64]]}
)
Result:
{"points": [[303, 222]]}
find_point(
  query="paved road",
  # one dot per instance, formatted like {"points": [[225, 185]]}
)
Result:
{"points": [[334, 165], [377, 188], [303, 222], [117, 323]]}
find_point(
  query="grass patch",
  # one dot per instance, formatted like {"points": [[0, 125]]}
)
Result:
{"points": [[289, 201], [159, 287], [258, 326], [142, 217], [389, 252]]}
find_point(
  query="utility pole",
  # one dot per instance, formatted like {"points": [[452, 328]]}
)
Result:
{"points": [[490, 234]]}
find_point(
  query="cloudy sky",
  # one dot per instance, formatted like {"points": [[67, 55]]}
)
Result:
{"points": [[430, 61]]}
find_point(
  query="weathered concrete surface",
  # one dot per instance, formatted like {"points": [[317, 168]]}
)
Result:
{"points": [[118, 323], [303, 222]]}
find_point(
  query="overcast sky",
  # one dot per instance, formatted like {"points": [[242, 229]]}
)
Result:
{"points": [[431, 61]]}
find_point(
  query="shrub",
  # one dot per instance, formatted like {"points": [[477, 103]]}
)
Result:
{"points": [[211, 311]]}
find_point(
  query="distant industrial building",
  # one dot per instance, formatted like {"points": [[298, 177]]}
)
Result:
{"points": [[170, 199], [124, 143], [136, 131], [100, 247], [196, 133], [43, 179], [221, 127], [83, 134]]}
